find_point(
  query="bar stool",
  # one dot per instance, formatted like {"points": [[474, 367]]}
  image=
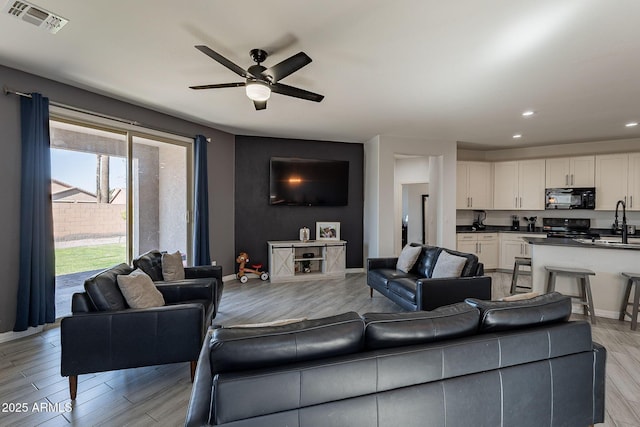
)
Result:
{"points": [[520, 262], [632, 279], [584, 286]]}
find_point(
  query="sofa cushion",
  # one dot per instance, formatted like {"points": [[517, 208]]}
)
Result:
{"points": [[503, 315], [426, 261], [380, 278], [172, 268], [151, 263], [103, 290], [404, 287], [384, 330], [235, 349], [408, 258], [139, 291], [448, 265]]}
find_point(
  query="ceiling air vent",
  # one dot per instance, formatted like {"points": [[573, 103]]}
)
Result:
{"points": [[35, 15]]}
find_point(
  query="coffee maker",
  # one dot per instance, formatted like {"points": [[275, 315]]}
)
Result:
{"points": [[515, 222], [478, 221]]}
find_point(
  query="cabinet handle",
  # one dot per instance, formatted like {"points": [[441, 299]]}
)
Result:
{"points": [[566, 179], [520, 201], [468, 203], [479, 248], [471, 198], [571, 179], [516, 201]]}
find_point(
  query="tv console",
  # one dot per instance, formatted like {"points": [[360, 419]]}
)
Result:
{"points": [[325, 259]]}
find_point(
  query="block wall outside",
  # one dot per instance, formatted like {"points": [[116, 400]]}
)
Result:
{"points": [[74, 221]]}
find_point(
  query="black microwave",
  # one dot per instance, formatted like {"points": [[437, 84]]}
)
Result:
{"points": [[570, 198]]}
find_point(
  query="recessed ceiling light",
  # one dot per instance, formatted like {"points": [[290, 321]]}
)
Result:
{"points": [[517, 135], [528, 113], [631, 124]]}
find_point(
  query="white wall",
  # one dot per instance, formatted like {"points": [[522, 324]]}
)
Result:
{"points": [[383, 224]]}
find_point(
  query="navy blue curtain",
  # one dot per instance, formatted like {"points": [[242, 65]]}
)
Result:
{"points": [[36, 286], [201, 252]]}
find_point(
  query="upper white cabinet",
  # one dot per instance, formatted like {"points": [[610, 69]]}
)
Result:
{"points": [[618, 178], [570, 172], [474, 185], [519, 185]]}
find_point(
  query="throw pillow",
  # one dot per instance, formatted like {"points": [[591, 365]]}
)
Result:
{"points": [[139, 291], [172, 268], [408, 257], [448, 265]]}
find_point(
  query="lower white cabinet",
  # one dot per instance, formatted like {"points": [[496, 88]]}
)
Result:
{"points": [[293, 260], [483, 245], [511, 246]]}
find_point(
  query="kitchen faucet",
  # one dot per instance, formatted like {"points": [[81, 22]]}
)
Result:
{"points": [[624, 221]]}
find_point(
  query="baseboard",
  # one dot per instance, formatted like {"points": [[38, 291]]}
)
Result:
{"points": [[355, 270], [11, 335], [608, 314], [228, 277]]}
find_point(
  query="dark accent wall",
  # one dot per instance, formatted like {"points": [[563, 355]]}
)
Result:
{"points": [[256, 221]]}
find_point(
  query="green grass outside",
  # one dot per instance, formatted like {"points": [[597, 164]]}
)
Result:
{"points": [[87, 258]]}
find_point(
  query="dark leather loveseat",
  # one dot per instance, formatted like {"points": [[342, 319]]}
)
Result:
{"points": [[478, 363], [105, 334], [417, 290]]}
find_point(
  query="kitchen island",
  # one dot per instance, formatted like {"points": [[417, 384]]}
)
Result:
{"points": [[607, 259]]}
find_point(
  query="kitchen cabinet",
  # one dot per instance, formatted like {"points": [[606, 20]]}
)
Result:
{"points": [[483, 245], [568, 172], [512, 246], [474, 185], [618, 178], [519, 185]]}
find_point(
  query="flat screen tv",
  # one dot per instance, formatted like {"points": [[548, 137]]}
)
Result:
{"points": [[308, 182]]}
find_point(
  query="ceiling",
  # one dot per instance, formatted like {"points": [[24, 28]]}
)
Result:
{"points": [[461, 70]]}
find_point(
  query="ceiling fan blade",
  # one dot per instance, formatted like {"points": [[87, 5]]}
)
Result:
{"points": [[295, 92], [286, 67], [218, 86], [224, 61], [260, 105]]}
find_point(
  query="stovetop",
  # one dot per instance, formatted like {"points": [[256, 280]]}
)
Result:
{"points": [[568, 228]]}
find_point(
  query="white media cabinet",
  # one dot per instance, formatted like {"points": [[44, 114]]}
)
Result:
{"points": [[286, 260]]}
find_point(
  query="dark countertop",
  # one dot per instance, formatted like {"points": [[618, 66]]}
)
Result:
{"points": [[496, 229], [573, 243]]}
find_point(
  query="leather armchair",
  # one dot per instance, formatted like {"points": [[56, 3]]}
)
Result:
{"points": [[151, 263], [105, 334]]}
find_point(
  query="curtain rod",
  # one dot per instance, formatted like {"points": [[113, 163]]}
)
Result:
{"points": [[8, 91]]}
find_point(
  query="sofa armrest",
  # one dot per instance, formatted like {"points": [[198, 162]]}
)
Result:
{"points": [[200, 402], [177, 291], [599, 380], [434, 293], [376, 263], [203, 272], [109, 340]]}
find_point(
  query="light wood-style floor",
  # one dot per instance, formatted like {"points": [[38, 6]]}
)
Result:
{"points": [[30, 367]]}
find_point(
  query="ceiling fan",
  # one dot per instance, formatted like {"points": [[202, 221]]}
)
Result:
{"points": [[261, 81]]}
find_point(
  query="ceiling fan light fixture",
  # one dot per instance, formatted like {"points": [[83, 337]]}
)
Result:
{"points": [[257, 91]]}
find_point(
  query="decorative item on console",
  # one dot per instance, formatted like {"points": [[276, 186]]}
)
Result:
{"points": [[327, 231], [304, 234]]}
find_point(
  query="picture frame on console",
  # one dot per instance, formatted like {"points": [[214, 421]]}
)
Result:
{"points": [[327, 231]]}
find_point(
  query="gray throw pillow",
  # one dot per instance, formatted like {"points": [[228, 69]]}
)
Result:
{"points": [[172, 268], [139, 291], [448, 265], [408, 257]]}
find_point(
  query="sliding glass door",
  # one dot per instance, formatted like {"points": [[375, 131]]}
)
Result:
{"points": [[116, 194]]}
